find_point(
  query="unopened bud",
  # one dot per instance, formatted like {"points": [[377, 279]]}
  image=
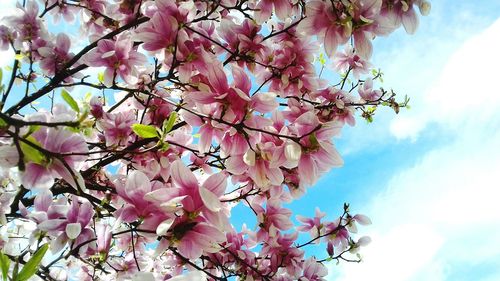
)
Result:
{"points": [[425, 8]]}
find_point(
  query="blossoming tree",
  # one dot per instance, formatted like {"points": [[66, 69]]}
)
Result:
{"points": [[127, 137]]}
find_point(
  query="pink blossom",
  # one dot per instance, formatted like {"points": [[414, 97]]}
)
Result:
{"points": [[137, 206], [365, 15], [59, 141], [243, 38], [328, 22], [318, 153], [158, 33], [400, 12], [348, 59], [117, 127], [282, 8], [96, 109], [61, 9], [53, 58], [104, 236], [271, 219], [27, 24], [367, 92], [313, 225], [118, 57], [74, 225], [6, 37], [313, 270]]}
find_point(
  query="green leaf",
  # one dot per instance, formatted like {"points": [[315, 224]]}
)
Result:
{"points": [[4, 265], [169, 123], [69, 100], [164, 147], [2, 123], [1, 74], [100, 77], [322, 59], [31, 154], [15, 270], [145, 131], [19, 56], [314, 140], [31, 266], [33, 128]]}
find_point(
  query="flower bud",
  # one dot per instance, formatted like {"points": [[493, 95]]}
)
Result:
{"points": [[424, 7]]}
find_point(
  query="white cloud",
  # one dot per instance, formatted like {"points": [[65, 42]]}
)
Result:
{"points": [[467, 88], [443, 213], [413, 64]]}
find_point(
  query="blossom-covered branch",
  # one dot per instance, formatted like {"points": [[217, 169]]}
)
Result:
{"points": [[124, 149]]}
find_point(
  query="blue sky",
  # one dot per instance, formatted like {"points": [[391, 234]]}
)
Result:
{"points": [[426, 177]]}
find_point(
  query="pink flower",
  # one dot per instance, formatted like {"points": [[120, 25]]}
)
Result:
{"points": [[318, 153], [282, 8], [193, 238], [27, 24], [367, 93], [137, 206], [118, 57], [62, 9], [104, 236], [256, 164], [276, 246], [338, 238], [313, 270], [96, 109], [244, 38], [330, 23], [53, 58], [400, 12], [271, 219], [348, 59], [6, 37], [73, 225], [38, 175], [365, 17], [159, 33], [313, 225], [117, 127]]}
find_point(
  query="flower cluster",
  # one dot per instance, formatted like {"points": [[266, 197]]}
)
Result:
{"points": [[193, 107]]}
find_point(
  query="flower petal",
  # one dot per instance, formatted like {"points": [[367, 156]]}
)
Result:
{"points": [[73, 230], [182, 176], [210, 200]]}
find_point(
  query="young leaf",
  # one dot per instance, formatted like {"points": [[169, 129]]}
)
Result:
{"points": [[322, 59], [31, 266], [4, 265], [170, 122], [69, 100], [31, 154], [100, 77], [19, 56], [15, 270], [145, 131]]}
